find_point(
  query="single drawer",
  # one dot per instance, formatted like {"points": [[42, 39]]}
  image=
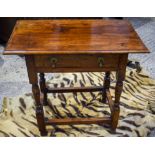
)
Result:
{"points": [[77, 61]]}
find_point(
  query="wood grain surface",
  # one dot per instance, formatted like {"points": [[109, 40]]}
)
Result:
{"points": [[74, 37]]}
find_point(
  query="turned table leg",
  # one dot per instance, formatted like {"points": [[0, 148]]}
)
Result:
{"points": [[33, 78], [120, 76], [39, 109], [43, 88], [106, 85]]}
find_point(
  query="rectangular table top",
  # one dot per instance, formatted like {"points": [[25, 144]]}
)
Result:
{"points": [[74, 37]]}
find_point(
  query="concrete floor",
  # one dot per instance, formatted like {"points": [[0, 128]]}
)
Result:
{"points": [[145, 27], [13, 74]]}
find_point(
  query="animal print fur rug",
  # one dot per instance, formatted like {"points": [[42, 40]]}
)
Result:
{"points": [[136, 119]]}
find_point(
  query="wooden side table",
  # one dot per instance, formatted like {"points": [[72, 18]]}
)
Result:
{"points": [[75, 46]]}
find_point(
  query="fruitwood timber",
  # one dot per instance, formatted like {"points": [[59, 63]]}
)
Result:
{"points": [[74, 89], [33, 79], [110, 101], [43, 88], [74, 37], [51, 46], [120, 76], [69, 121]]}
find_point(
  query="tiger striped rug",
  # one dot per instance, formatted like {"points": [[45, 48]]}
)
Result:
{"points": [[136, 119]]}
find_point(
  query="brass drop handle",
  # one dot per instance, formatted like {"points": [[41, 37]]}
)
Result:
{"points": [[100, 62], [53, 61]]}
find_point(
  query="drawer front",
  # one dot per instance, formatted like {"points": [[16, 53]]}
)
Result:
{"points": [[87, 62]]}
